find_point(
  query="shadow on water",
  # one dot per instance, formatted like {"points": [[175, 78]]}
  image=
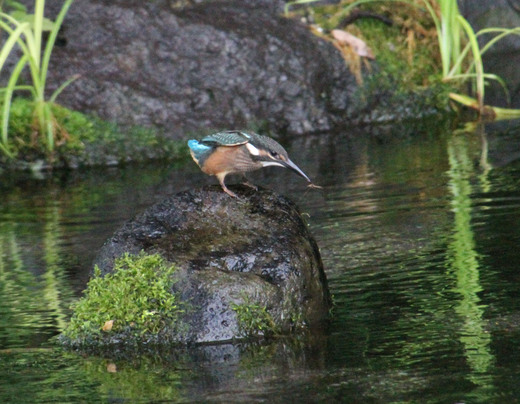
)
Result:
{"points": [[418, 227]]}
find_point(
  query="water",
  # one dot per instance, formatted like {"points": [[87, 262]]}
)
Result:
{"points": [[418, 226]]}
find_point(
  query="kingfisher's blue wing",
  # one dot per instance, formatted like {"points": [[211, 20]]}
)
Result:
{"points": [[226, 138]]}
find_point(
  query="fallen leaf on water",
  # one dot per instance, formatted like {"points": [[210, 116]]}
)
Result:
{"points": [[108, 325], [359, 46]]}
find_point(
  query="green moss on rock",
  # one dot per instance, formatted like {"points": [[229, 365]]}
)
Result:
{"points": [[81, 140], [404, 81], [254, 319], [137, 297]]}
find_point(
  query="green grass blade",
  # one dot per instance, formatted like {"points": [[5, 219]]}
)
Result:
{"points": [[506, 113], [488, 76], [475, 50], [58, 91], [39, 8], [29, 37], [14, 36], [434, 17], [502, 83], [503, 33], [26, 29], [28, 46], [52, 39], [17, 88], [495, 113], [6, 109], [455, 30], [444, 40]]}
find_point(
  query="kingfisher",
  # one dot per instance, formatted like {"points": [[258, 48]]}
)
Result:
{"points": [[238, 152]]}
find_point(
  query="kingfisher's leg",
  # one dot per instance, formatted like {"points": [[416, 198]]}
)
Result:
{"points": [[226, 190], [247, 183]]}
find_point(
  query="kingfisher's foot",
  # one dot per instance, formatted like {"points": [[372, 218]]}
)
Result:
{"points": [[248, 184], [230, 193]]}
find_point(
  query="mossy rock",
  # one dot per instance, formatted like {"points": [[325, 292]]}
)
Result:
{"points": [[245, 267], [80, 141]]}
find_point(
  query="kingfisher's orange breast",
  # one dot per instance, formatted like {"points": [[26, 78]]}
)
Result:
{"points": [[221, 160]]}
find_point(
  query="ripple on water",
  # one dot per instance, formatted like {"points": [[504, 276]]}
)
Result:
{"points": [[420, 247]]}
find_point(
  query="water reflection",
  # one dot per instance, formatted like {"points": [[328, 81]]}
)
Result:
{"points": [[464, 264], [418, 229]]}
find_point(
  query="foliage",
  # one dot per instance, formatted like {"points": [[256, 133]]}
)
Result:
{"points": [[91, 141], [71, 138], [410, 59], [404, 44], [136, 295], [13, 5], [253, 319], [450, 27], [456, 41], [27, 32]]}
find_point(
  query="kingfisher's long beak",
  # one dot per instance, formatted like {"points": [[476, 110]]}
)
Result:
{"points": [[295, 168]]}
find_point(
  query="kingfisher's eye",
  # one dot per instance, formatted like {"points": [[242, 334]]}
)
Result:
{"points": [[274, 154]]}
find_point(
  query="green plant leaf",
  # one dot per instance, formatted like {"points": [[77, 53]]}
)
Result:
{"points": [[52, 39], [477, 58], [15, 5], [22, 16], [62, 87], [13, 38], [11, 85], [490, 112], [27, 33]]}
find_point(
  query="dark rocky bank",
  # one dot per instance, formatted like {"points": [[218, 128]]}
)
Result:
{"points": [[198, 66]]}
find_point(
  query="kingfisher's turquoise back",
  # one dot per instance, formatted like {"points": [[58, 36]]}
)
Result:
{"points": [[201, 150]]}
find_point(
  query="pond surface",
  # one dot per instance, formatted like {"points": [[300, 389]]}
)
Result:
{"points": [[419, 230]]}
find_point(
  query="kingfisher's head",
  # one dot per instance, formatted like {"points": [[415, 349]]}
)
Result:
{"points": [[268, 152]]}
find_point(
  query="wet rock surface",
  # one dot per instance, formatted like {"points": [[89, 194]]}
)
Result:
{"points": [[252, 250], [185, 68]]}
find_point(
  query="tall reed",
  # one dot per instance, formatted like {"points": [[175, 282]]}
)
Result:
{"points": [[27, 33], [450, 29]]}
